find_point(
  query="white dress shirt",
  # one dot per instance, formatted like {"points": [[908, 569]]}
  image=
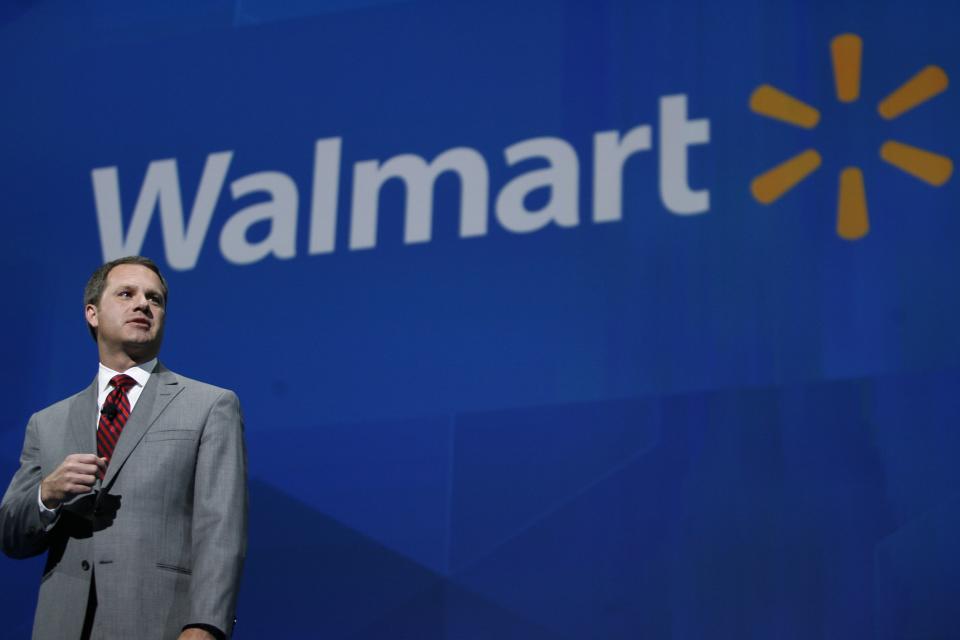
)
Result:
{"points": [[140, 373]]}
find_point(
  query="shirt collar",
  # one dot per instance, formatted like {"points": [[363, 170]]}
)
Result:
{"points": [[140, 373]]}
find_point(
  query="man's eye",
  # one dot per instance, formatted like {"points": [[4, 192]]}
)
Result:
{"points": [[124, 293]]}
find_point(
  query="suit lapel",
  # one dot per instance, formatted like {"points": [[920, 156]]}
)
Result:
{"points": [[161, 388], [83, 419]]}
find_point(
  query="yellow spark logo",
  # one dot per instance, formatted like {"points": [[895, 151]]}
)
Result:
{"points": [[852, 220]]}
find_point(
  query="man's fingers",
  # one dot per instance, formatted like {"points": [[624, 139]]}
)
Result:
{"points": [[77, 489], [82, 480], [84, 458], [76, 475], [79, 482], [86, 463], [87, 469]]}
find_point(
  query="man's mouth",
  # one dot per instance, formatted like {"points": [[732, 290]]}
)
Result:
{"points": [[143, 322]]}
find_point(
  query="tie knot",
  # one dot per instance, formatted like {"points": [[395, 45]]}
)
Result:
{"points": [[122, 382]]}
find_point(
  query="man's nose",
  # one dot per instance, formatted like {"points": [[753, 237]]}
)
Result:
{"points": [[143, 304]]}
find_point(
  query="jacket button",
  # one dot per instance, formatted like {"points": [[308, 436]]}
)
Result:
{"points": [[85, 565]]}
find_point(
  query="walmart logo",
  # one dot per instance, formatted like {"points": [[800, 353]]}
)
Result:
{"points": [[853, 221]]}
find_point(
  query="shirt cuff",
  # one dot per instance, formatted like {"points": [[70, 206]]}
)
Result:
{"points": [[48, 517]]}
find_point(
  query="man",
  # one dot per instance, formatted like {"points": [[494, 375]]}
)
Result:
{"points": [[135, 487]]}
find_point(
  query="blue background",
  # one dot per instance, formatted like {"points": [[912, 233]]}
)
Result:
{"points": [[728, 425]]}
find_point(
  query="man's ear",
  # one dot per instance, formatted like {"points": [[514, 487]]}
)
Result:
{"points": [[90, 311]]}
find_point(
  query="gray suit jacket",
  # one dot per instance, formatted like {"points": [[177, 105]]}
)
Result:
{"points": [[166, 532]]}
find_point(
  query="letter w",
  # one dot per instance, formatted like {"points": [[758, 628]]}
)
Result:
{"points": [[161, 188]]}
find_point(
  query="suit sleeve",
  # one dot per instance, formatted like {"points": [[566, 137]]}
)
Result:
{"points": [[22, 531], [219, 535]]}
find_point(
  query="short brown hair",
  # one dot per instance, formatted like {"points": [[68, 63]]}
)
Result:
{"points": [[98, 281]]}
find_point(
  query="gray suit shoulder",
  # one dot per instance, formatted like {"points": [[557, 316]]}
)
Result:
{"points": [[61, 408], [200, 388]]}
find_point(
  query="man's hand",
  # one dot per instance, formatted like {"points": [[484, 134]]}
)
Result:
{"points": [[75, 475], [194, 633]]}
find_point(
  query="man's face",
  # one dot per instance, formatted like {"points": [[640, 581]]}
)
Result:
{"points": [[130, 314]]}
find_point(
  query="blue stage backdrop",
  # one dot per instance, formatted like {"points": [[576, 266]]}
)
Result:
{"points": [[550, 319]]}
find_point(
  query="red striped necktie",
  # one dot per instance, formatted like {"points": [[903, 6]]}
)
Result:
{"points": [[113, 419]]}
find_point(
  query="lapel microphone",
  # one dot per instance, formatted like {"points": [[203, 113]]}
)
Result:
{"points": [[109, 410]]}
